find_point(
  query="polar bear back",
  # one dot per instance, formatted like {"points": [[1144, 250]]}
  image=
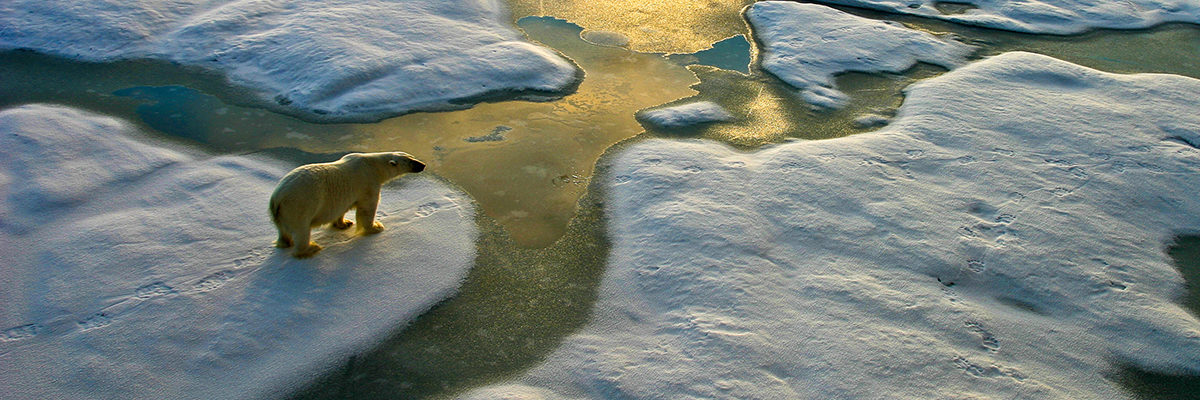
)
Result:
{"points": [[322, 193]]}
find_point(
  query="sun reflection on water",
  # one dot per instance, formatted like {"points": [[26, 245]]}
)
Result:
{"points": [[527, 163], [658, 26]]}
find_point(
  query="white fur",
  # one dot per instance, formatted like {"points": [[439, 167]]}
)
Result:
{"points": [[317, 194]]}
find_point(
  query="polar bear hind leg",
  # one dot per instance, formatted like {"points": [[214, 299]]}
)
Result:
{"points": [[304, 247], [284, 240]]}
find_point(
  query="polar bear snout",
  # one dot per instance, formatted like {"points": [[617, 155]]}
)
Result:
{"points": [[406, 162]]}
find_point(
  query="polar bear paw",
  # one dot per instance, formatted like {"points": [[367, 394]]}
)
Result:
{"points": [[374, 228], [308, 251], [342, 224]]}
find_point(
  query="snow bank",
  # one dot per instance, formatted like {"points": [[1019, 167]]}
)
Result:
{"points": [[333, 60], [690, 114], [807, 45], [139, 271], [1045, 16], [1002, 238]]}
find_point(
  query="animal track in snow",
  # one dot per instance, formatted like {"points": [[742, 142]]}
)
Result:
{"points": [[990, 231], [427, 209], [1061, 191], [1078, 172], [1151, 167], [1057, 161], [212, 281], [21, 332], [152, 290], [256, 257], [1115, 276], [889, 169], [988, 341], [793, 165], [976, 266], [97, 320], [991, 371], [112, 313]]}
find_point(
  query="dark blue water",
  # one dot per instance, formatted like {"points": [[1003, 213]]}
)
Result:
{"points": [[733, 54]]}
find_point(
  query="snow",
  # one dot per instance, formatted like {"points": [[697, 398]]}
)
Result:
{"points": [[1003, 238], [1046, 16], [136, 269], [510, 392], [871, 120], [342, 60], [685, 115], [807, 45]]}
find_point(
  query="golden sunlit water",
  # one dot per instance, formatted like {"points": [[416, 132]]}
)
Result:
{"points": [[652, 26], [527, 163], [767, 110]]}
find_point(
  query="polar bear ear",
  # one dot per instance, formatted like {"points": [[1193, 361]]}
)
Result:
{"points": [[392, 162]]}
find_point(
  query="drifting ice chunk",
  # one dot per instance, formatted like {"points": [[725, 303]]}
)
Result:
{"points": [[806, 45], [1044, 16], [330, 60], [686, 115]]}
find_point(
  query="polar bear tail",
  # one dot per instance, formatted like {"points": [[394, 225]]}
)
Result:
{"points": [[275, 212]]}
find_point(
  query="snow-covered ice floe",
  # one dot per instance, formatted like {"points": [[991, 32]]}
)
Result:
{"points": [[330, 60], [1003, 238], [135, 270], [685, 115], [1044, 16], [807, 45]]}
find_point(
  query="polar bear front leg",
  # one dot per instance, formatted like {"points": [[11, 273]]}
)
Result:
{"points": [[364, 212]]}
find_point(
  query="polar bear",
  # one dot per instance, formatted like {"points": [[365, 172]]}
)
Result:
{"points": [[317, 194]]}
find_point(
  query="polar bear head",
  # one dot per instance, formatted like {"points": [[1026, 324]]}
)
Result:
{"points": [[388, 165]]}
